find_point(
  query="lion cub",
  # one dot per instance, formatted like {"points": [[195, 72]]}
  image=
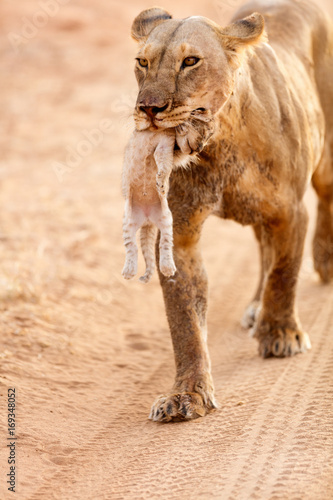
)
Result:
{"points": [[149, 160]]}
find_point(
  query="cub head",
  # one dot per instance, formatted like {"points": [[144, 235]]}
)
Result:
{"points": [[188, 64]]}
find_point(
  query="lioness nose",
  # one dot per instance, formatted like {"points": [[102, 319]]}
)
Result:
{"points": [[151, 111]]}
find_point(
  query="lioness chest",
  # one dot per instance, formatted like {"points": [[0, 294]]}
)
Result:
{"points": [[249, 192], [228, 186], [242, 187]]}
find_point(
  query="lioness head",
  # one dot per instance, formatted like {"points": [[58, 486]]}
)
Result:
{"points": [[186, 65]]}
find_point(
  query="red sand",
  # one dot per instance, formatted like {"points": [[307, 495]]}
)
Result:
{"points": [[88, 352]]}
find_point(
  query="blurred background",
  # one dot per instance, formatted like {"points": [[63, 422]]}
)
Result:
{"points": [[67, 90]]}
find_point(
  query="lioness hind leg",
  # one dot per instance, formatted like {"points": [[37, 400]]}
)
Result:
{"points": [[322, 181], [277, 327], [252, 310]]}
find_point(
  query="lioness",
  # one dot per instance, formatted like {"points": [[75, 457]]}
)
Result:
{"points": [[273, 102]]}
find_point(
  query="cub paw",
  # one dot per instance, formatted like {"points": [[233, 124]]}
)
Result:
{"points": [[130, 270], [182, 406], [194, 134], [281, 342], [168, 268], [146, 277]]}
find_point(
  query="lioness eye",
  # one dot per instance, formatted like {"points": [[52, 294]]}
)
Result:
{"points": [[142, 62], [190, 61]]}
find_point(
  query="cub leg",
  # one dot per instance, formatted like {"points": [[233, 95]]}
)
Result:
{"points": [[148, 235], [132, 221], [164, 224], [185, 297], [322, 181], [164, 160], [163, 218], [277, 327]]}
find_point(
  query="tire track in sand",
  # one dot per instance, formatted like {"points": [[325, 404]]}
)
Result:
{"points": [[241, 451], [259, 471]]}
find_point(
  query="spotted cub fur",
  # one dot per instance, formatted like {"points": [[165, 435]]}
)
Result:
{"points": [[150, 157]]}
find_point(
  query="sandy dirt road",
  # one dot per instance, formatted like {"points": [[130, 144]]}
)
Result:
{"points": [[87, 352]]}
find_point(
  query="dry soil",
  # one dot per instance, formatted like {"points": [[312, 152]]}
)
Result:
{"points": [[87, 352]]}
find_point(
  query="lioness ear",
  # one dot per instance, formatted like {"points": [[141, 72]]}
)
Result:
{"points": [[145, 22], [243, 33]]}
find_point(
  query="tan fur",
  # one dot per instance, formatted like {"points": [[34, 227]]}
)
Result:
{"points": [[273, 106], [147, 167], [149, 160]]}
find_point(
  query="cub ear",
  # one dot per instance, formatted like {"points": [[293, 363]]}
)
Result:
{"points": [[248, 31], [145, 22]]}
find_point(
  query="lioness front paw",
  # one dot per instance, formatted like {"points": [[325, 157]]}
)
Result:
{"points": [[281, 341], [181, 406]]}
